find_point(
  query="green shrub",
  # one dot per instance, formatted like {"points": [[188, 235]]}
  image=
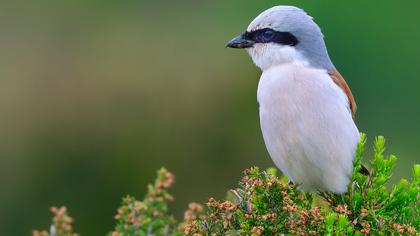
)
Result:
{"points": [[264, 204]]}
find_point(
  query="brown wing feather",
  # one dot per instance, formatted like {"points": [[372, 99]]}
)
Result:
{"points": [[339, 80]]}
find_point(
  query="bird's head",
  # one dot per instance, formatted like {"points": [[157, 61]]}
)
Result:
{"points": [[284, 34]]}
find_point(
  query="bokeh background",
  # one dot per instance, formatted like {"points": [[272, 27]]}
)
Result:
{"points": [[95, 96]]}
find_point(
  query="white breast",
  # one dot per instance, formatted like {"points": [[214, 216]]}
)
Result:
{"points": [[307, 127]]}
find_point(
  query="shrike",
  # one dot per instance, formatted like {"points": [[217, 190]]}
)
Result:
{"points": [[306, 107]]}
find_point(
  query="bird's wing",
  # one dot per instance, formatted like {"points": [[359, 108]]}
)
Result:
{"points": [[339, 80]]}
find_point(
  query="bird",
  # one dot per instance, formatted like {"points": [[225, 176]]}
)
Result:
{"points": [[306, 108]]}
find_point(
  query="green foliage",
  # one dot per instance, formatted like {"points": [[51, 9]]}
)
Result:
{"points": [[372, 207], [264, 204]]}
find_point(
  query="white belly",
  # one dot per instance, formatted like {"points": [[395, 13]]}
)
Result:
{"points": [[307, 127]]}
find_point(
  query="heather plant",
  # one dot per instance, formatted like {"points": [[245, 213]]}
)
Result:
{"points": [[150, 216], [61, 224], [265, 204]]}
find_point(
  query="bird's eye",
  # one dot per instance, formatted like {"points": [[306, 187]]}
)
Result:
{"points": [[266, 36]]}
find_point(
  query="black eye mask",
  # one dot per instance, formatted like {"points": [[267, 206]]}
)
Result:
{"points": [[267, 35]]}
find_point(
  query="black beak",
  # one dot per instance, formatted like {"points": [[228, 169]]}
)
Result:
{"points": [[240, 42]]}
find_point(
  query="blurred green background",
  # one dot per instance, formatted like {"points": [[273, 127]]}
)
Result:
{"points": [[95, 96]]}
